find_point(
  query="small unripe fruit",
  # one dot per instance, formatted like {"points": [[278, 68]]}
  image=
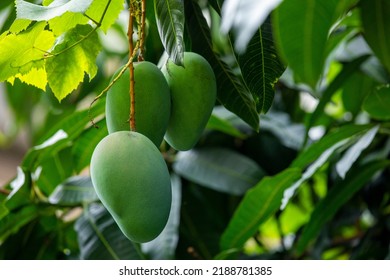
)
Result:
{"points": [[193, 93], [132, 181], [152, 102]]}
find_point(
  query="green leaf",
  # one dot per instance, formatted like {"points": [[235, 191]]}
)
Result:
{"points": [[376, 25], [261, 67], [337, 197], [26, 10], [164, 246], [21, 190], [377, 103], [11, 223], [21, 53], [314, 151], [301, 29], [85, 144], [311, 170], [81, 45], [219, 169], [353, 153], [67, 21], [60, 135], [355, 90], [105, 12], [99, 237], [245, 19], [348, 69], [231, 91], [258, 205], [170, 22], [217, 123], [74, 191]]}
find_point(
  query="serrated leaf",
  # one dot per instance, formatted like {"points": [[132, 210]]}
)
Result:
{"points": [[81, 45], [105, 12], [67, 21], [26, 10], [377, 103], [231, 91], [99, 237], [21, 53], [19, 25], [170, 23], [336, 198], [219, 169], [353, 153], [257, 206], [376, 25], [245, 18], [36, 77], [301, 29], [74, 191], [261, 67], [164, 246]]}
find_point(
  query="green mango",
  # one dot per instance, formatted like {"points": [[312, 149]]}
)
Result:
{"points": [[132, 181], [193, 93], [152, 102]]}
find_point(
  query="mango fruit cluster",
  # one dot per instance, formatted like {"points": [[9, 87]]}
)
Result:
{"points": [[128, 171]]}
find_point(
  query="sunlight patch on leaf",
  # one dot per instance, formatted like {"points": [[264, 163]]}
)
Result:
{"points": [[59, 135], [31, 48], [79, 45]]}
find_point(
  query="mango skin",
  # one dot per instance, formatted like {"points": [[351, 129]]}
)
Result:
{"points": [[132, 181], [152, 102], [193, 94]]}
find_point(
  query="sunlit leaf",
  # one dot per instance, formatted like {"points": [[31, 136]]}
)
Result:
{"points": [[80, 45], [258, 205], [26, 10], [219, 169], [105, 12], [21, 53], [170, 23]]}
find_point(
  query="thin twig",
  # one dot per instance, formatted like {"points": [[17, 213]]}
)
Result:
{"points": [[131, 69]]}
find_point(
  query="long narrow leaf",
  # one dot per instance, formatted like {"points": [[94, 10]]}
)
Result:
{"points": [[261, 67], [219, 169], [337, 197], [257, 206], [170, 23], [232, 92], [99, 237]]}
